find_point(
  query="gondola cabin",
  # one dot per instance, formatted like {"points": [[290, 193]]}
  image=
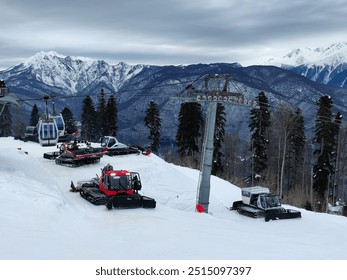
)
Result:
{"points": [[48, 134], [3, 88], [59, 120]]}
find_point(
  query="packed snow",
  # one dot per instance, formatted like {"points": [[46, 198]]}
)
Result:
{"points": [[41, 219]]}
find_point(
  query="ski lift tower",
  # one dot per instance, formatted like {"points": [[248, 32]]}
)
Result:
{"points": [[215, 89], [6, 98]]}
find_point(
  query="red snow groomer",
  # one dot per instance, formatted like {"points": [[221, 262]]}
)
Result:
{"points": [[115, 189], [76, 153]]}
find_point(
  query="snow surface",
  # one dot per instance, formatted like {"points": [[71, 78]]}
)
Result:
{"points": [[41, 219]]}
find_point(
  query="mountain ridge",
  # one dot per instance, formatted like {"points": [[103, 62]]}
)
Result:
{"points": [[331, 55], [72, 78], [73, 74], [323, 65]]}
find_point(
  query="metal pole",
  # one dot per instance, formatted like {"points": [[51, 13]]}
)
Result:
{"points": [[207, 157]]}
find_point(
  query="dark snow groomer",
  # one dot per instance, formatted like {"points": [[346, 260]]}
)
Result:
{"points": [[258, 202]]}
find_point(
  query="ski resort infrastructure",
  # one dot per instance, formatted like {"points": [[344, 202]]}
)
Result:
{"points": [[42, 220]]}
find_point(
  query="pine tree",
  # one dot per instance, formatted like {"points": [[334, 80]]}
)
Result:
{"points": [[34, 116], [217, 165], [336, 131], [88, 120], [296, 143], [5, 122], [188, 132], [111, 117], [70, 125], [339, 188], [153, 122], [335, 157], [326, 140], [259, 124], [101, 117]]}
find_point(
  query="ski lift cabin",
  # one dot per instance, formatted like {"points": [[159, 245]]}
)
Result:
{"points": [[6, 98], [47, 129], [3, 89], [58, 118], [47, 132]]}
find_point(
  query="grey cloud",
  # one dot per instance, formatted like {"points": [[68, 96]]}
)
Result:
{"points": [[153, 30]]}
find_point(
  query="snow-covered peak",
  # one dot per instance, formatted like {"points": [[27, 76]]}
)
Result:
{"points": [[41, 57], [75, 73], [51, 58], [332, 55]]}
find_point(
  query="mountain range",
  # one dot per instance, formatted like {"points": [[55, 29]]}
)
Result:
{"points": [[323, 65], [70, 79]]}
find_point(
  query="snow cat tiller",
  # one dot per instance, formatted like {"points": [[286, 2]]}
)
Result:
{"points": [[114, 189], [258, 202]]}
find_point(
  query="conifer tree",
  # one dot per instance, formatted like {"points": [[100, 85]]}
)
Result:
{"points": [[217, 165], [5, 122], [88, 120], [101, 117], [325, 140], [153, 122], [336, 154], [188, 132], [70, 125], [259, 124], [34, 116], [111, 117], [296, 143], [336, 128]]}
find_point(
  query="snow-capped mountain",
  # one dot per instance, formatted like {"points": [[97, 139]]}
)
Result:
{"points": [[72, 78], [332, 55], [323, 65], [74, 74]]}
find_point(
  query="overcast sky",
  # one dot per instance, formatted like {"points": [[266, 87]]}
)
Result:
{"points": [[163, 32]]}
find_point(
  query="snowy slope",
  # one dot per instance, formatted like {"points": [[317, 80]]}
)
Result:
{"points": [[41, 219]]}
